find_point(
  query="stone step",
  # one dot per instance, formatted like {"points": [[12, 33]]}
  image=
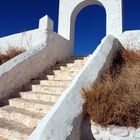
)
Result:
{"points": [[66, 68], [23, 116], [49, 77], [40, 96], [51, 82], [31, 105], [13, 130], [59, 77], [65, 72], [55, 82], [80, 57], [75, 60], [69, 61], [48, 89], [70, 64]]}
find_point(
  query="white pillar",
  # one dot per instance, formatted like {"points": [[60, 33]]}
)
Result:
{"points": [[46, 23]]}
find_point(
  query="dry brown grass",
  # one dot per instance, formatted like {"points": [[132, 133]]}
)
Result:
{"points": [[115, 97], [10, 53]]}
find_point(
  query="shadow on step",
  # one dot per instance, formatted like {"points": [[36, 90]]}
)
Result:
{"points": [[5, 101]]}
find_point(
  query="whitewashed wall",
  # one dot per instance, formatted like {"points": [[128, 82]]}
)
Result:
{"points": [[113, 132], [58, 124], [130, 39], [28, 39], [34, 61]]}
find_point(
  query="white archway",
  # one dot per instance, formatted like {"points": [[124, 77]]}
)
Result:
{"points": [[68, 10]]}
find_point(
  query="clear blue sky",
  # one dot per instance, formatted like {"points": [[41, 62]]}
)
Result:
{"points": [[20, 15]]}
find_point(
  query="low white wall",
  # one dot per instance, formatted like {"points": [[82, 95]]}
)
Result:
{"points": [[23, 40], [58, 123], [113, 132], [130, 39], [19, 70], [28, 39]]}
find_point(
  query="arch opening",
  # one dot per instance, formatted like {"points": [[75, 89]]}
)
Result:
{"points": [[89, 27], [77, 10]]}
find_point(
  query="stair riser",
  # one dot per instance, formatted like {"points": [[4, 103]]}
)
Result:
{"points": [[80, 58], [61, 72], [70, 68], [54, 83], [31, 106], [74, 61], [69, 65], [67, 69], [50, 77], [59, 77], [47, 89], [12, 135], [36, 96], [24, 119], [63, 77]]}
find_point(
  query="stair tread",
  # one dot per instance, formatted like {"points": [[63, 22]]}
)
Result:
{"points": [[65, 68], [49, 86], [60, 76], [42, 93], [15, 126], [68, 65], [74, 59], [79, 57], [33, 105], [31, 101], [11, 109], [57, 80], [41, 88], [54, 72], [62, 72]]}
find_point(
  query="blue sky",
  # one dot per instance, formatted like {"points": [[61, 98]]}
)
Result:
{"points": [[21, 15]]}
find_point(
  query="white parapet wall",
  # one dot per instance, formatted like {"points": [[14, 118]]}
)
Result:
{"points": [[19, 70], [113, 132], [28, 39], [130, 39], [58, 123]]}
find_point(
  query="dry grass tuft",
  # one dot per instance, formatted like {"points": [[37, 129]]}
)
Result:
{"points": [[10, 53], [115, 97]]}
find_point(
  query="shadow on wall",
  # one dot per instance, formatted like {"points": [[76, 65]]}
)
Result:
{"points": [[86, 133], [81, 128]]}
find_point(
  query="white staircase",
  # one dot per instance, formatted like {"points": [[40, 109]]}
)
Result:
{"points": [[21, 116]]}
